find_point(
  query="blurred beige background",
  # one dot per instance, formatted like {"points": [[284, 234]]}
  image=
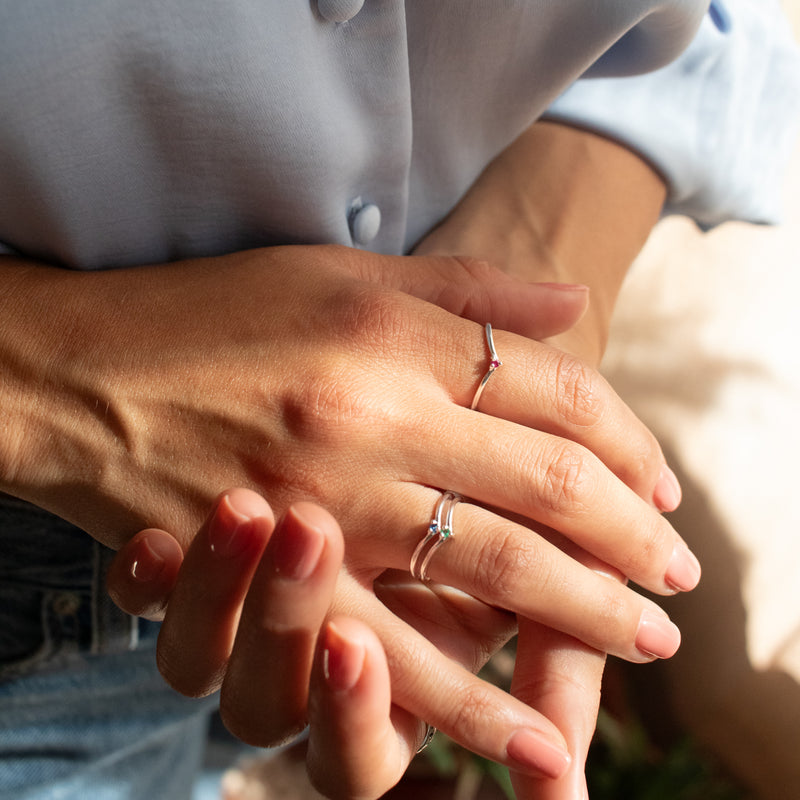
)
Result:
{"points": [[706, 348]]}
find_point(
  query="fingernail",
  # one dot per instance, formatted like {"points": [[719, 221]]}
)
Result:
{"points": [[531, 750], [683, 571], [657, 636], [298, 544], [227, 530], [342, 660], [667, 494], [149, 563]]}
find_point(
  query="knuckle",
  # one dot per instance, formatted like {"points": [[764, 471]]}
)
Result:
{"points": [[469, 717], [643, 465], [473, 299], [577, 392], [612, 611], [498, 564], [532, 686], [564, 477], [478, 269], [646, 551], [505, 562], [324, 407], [373, 317], [339, 393]]}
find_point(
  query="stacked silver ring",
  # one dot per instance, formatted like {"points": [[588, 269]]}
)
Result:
{"points": [[439, 531], [430, 732]]}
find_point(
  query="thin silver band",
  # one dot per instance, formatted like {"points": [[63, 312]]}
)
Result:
{"points": [[494, 364], [430, 732], [439, 531]]}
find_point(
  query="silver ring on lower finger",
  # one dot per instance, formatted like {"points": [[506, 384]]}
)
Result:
{"points": [[440, 530], [430, 732]]}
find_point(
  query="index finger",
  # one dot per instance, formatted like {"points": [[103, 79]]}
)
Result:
{"points": [[561, 677], [471, 711]]}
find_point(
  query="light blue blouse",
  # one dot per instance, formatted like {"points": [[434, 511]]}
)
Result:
{"points": [[719, 123], [143, 132]]}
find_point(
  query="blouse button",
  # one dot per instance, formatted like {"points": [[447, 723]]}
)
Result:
{"points": [[365, 224], [720, 16], [339, 10]]}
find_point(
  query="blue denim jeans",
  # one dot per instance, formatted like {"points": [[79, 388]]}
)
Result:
{"points": [[83, 709]]}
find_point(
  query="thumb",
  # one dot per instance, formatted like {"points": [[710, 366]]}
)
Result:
{"points": [[477, 291]]}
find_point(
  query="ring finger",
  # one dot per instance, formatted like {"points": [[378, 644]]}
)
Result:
{"points": [[510, 566], [557, 483]]}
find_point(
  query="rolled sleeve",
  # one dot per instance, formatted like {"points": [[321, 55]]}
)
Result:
{"points": [[719, 123]]}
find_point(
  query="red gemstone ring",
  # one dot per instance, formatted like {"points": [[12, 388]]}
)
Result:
{"points": [[494, 364]]}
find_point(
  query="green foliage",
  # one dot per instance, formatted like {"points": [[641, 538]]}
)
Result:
{"points": [[624, 764]]}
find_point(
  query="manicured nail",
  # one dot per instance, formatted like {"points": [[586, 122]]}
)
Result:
{"points": [[227, 530], [531, 750], [683, 571], [149, 563], [298, 544], [657, 636], [342, 660], [667, 494]]}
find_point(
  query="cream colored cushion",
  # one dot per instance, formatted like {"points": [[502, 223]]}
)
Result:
{"points": [[706, 348]]}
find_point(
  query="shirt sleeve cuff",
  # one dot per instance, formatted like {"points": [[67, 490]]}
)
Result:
{"points": [[719, 123]]}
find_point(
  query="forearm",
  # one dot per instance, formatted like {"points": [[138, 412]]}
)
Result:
{"points": [[35, 304], [56, 399], [560, 204]]}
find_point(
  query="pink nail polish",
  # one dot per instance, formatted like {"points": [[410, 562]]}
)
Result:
{"points": [[532, 751], [227, 530], [297, 546], [683, 571], [149, 563], [342, 660], [667, 494], [657, 636]]}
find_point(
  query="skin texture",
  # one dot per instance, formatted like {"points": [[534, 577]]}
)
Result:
{"points": [[291, 357]]}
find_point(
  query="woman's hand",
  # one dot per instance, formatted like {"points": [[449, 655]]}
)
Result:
{"points": [[244, 611], [297, 371], [308, 372]]}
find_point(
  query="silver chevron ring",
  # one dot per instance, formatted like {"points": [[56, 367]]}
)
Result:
{"points": [[494, 364], [440, 530]]}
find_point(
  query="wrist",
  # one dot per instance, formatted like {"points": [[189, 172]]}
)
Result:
{"points": [[56, 436]]}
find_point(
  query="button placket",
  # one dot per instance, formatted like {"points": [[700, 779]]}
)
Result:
{"points": [[365, 221], [339, 10]]}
